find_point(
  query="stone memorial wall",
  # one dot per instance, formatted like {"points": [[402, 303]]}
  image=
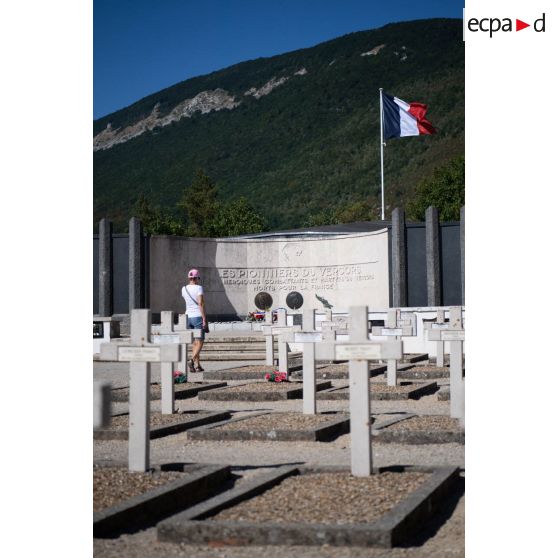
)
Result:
{"points": [[338, 271]]}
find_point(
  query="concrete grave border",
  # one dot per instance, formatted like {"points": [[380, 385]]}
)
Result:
{"points": [[194, 525], [292, 393], [375, 370], [324, 433], [342, 393], [230, 374], [190, 391], [165, 429], [382, 434], [148, 508]]}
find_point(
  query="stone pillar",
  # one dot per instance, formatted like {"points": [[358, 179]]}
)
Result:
{"points": [[398, 258], [135, 264], [462, 241], [433, 279], [105, 268]]}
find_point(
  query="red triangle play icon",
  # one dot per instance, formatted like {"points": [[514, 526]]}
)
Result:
{"points": [[519, 25]]}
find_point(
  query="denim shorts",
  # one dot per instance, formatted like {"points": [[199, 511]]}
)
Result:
{"points": [[197, 323]]}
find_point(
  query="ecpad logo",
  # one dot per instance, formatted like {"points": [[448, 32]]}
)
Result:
{"points": [[494, 25]]}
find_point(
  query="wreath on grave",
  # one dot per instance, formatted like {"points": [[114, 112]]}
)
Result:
{"points": [[276, 376], [179, 377]]}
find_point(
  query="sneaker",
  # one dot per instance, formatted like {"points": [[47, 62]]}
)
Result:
{"points": [[199, 368], [191, 366]]}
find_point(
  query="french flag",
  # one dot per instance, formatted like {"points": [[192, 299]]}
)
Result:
{"points": [[403, 119]]}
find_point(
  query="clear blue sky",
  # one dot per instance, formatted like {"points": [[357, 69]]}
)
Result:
{"points": [[142, 46]]}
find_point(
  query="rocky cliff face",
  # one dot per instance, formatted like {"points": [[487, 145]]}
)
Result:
{"points": [[204, 102]]}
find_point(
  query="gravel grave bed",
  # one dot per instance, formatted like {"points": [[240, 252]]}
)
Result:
{"points": [[344, 368], [331, 498], [112, 485], [121, 422], [431, 422], [262, 387], [281, 421], [380, 387], [429, 369]]}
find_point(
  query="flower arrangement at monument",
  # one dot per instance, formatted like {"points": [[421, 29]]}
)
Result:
{"points": [[179, 377], [276, 376]]}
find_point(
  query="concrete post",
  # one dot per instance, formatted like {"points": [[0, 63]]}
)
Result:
{"points": [[140, 380], [101, 404], [135, 264], [308, 365], [359, 393], [167, 380], [391, 322], [433, 279], [440, 319], [398, 258], [282, 347], [105, 268], [269, 340], [462, 241], [457, 391]]}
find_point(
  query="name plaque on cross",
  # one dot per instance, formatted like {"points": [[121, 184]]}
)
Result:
{"points": [[393, 331], [139, 354], [439, 326], [307, 337], [448, 335], [358, 352], [278, 330]]}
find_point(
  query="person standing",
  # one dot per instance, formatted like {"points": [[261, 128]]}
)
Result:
{"points": [[195, 310]]}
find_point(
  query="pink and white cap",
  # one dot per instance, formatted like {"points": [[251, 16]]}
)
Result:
{"points": [[193, 273]]}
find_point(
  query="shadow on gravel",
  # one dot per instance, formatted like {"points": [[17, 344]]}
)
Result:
{"points": [[445, 512]]}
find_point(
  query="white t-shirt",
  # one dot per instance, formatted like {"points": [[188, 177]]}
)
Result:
{"points": [[192, 309]]}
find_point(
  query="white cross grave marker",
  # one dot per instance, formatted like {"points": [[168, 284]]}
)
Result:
{"points": [[438, 324], [308, 336], [394, 328], [140, 354], [359, 350], [168, 336], [282, 347], [455, 334]]}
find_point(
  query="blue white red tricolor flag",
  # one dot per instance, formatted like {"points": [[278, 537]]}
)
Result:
{"points": [[404, 119]]}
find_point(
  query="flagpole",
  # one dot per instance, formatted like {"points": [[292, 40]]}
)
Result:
{"points": [[382, 147]]}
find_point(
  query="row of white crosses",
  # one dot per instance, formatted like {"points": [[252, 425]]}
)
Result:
{"points": [[140, 353], [454, 333]]}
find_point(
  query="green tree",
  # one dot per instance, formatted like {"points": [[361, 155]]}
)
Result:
{"points": [[156, 221], [348, 212], [236, 218], [445, 190], [199, 202]]}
